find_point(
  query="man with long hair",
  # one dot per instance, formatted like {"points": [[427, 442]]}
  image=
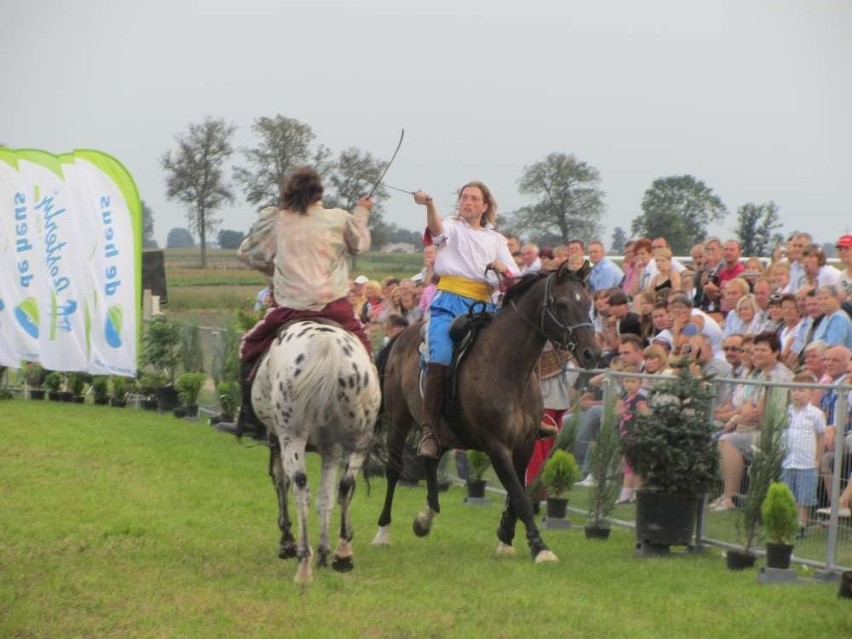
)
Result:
{"points": [[303, 246]]}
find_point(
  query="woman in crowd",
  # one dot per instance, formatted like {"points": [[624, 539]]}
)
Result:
{"points": [[791, 316]]}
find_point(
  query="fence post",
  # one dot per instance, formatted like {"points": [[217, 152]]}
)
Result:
{"points": [[841, 417]]}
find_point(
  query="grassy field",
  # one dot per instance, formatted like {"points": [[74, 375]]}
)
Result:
{"points": [[123, 523]]}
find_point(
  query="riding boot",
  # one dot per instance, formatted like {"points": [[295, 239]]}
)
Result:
{"points": [[248, 423], [433, 396]]}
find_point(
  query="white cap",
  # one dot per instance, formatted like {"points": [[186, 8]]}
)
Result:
{"points": [[361, 279]]}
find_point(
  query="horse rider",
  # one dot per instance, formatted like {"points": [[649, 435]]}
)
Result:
{"points": [[470, 255], [303, 246]]}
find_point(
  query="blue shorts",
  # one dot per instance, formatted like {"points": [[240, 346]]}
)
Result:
{"points": [[802, 483], [445, 307]]}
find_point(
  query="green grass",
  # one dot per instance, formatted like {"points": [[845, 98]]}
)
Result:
{"points": [[123, 523]]}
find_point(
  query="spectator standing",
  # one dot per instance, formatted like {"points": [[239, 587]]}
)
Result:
{"points": [[803, 437], [630, 284], [844, 250], [707, 292], [633, 402], [795, 249]]}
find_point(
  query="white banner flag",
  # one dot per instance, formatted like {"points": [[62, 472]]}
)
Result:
{"points": [[70, 262]]}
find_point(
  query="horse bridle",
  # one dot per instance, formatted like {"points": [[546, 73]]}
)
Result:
{"points": [[568, 342]]}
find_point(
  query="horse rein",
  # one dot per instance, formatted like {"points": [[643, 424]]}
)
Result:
{"points": [[569, 340]]}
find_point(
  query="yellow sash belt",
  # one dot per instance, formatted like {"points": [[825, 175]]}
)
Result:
{"points": [[465, 287]]}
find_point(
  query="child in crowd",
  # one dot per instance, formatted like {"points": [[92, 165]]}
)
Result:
{"points": [[633, 402], [804, 441]]}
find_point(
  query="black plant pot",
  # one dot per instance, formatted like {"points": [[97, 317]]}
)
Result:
{"points": [[845, 589], [55, 396], [778, 555], [117, 403], [476, 488], [67, 396], [665, 520], [179, 411], [191, 410], [37, 394], [739, 560], [556, 507], [150, 403], [101, 401], [597, 532], [167, 398], [79, 399]]}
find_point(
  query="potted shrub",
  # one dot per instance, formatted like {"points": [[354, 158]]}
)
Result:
{"points": [[120, 388], [558, 476], [765, 468], [477, 464], [34, 376], [229, 400], [188, 386], [161, 353], [53, 382], [148, 385], [77, 385], [674, 452], [100, 390], [780, 524], [604, 463]]}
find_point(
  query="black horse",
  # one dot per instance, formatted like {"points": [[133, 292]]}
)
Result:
{"points": [[498, 405]]}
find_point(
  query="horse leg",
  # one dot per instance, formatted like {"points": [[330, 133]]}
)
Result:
{"points": [[397, 433], [293, 461], [520, 503], [509, 519], [325, 504], [423, 521], [346, 489], [287, 544]]}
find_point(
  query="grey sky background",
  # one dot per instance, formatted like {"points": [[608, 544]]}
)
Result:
{"points": [[752, 97]]}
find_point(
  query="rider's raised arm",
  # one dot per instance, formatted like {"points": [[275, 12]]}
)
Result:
{"points": [[357, 234], [258, 250], [433, 218]]}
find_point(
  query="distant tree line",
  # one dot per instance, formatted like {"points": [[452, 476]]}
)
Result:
{"points": [[567, 200]]}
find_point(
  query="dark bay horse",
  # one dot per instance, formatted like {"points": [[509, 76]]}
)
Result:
{"points": [[498, 406], [316, 387]]}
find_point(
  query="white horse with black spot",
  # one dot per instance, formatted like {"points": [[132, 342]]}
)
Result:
{"points": [[316, 388]]}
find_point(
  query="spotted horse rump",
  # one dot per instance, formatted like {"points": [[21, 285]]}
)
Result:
{"points": [[316, 388]]}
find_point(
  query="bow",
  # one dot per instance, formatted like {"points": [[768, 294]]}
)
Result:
{"points": [[388, 165]]}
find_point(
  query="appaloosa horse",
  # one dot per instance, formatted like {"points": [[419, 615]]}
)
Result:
{"points": [[498, 405], [316, 387]]}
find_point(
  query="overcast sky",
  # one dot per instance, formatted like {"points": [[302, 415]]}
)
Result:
{"points": [[752, 97]]}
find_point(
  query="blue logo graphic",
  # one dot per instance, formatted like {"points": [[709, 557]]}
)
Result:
{"points": [[113, 325], [27, 315]]}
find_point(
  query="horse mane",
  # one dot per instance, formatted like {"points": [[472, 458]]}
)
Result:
{"points": [[524, 284]]}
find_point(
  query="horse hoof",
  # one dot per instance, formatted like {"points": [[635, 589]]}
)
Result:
{"points": [[546, 556], [304, 576], [421, 529], [382, 537], [343, 564], [287, 551], [504, 550]]}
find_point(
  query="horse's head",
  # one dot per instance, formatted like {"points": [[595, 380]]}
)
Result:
{"points": [[565, 313]]}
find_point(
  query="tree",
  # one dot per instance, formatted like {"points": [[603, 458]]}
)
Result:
{"points": [[619, 239], [194, 175], [148, 240], [285, 144], [228, 239], [353, 174], [678, 208], [570, 204], [180, 238], [755, 226]]}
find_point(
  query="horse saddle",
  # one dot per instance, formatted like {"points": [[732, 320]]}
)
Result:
{"points": [[463, 331]]}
